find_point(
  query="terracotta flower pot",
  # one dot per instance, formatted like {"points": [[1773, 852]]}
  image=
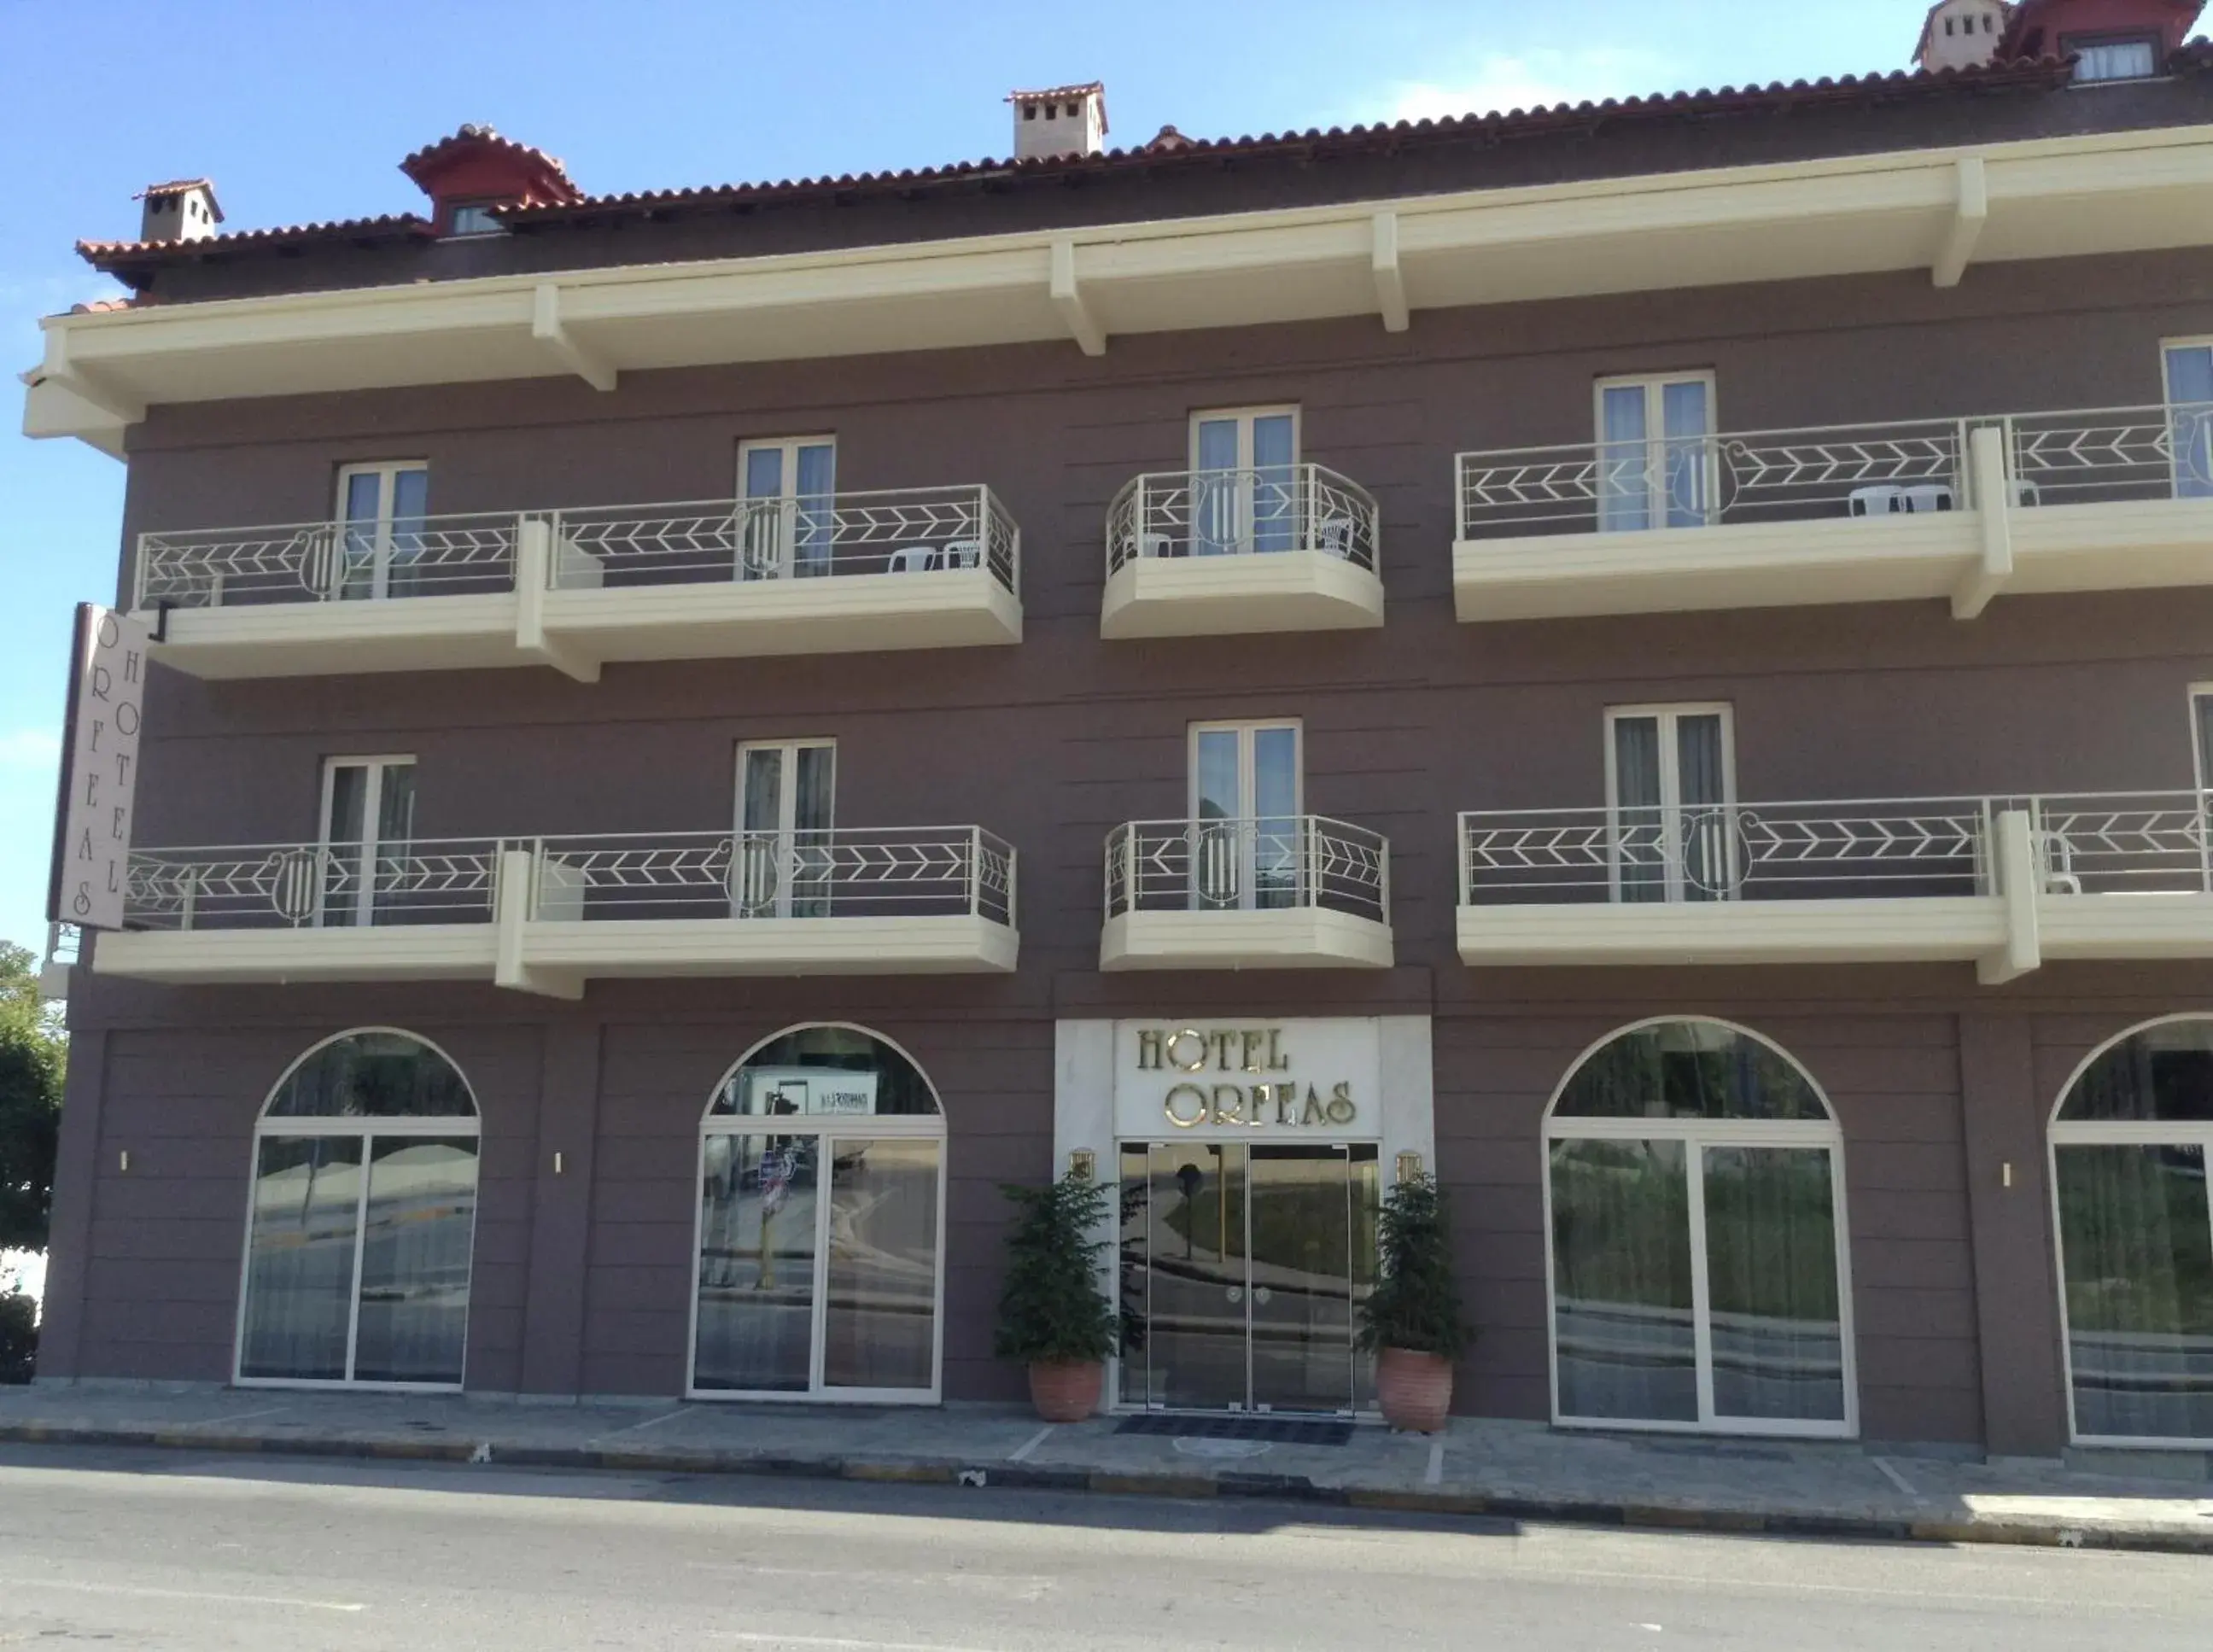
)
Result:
{"points": [[1415, 1390], [1066, 1392]]}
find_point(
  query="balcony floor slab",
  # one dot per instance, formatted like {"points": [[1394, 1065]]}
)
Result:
{"points": [[1885, 930], [2152, 925], [402, 952], [650, 948], [1296, 938], [324, 639], [1240, 594]]}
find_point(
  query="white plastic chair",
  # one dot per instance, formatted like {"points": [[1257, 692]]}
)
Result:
{"points": [[1928, 497], [1881, 499], [914, 559], [1334, 535], [963, 553]]}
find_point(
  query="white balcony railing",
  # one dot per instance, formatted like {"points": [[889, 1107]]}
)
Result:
{"points": [[2153, 843], [1292, 862], [328, 562], [308, 885], [667, 877], [722, 541], [889, 873], [1872, 470], [913, 530], [1241, 512]]}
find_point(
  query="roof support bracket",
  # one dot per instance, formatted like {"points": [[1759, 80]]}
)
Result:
{"points": [[565, 347], [1970, 211], [1390, 284], [1068, 299]]}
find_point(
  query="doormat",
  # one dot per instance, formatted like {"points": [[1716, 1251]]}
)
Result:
{"points": [[1275, 1430]]}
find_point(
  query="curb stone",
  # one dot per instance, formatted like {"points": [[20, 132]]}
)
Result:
{"points": [[2012, 1532]]}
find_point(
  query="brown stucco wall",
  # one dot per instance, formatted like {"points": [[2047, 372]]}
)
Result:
{"points": [[582, 1279]]}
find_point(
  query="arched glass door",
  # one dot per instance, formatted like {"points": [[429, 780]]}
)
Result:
{"points": [[820, 1267], [2129, 1147], [1694, 1196], [363, 1219]]}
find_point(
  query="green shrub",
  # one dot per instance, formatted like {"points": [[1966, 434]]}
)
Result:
{"points": [[1416, 1302], [1051, 1310], [19, 1338]]}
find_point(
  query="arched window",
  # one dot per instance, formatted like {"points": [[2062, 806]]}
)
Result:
{"points": [[364, 1218], [2131, 1142], [820, 1267], [1694, 1196]]}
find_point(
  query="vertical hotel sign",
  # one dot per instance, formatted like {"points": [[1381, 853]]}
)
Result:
{"points": [[100, 768]]}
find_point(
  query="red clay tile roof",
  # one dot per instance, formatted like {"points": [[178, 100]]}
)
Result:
{"points": [[2038, 74], [396, 226], [425, 160], [2046, 73]]}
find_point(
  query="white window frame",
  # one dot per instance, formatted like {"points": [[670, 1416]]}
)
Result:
{"points": [[362, 1129], [878, 1127], [787, 813], [1655, 386], [776, 561], [2086, 41], [1246, 470], [2201, 695], [380, 565], [1247, 801], [1697, 1135], [371, 845], [2083, 1133], [1668, 714]]}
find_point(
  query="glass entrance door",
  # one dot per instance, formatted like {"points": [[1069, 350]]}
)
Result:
{"points": [[1242, 1266]]}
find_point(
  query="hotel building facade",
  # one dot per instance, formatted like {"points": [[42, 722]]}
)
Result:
{"points": [[1653, 661]]}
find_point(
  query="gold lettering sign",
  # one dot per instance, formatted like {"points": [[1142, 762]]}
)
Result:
{"points": [[1284, 1103]]}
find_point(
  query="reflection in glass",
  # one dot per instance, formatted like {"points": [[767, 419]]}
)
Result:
{"points": [[2161, 1074], [757, 1225], [1627, 1340], [1303, 1259], [1771, 1284], [2137, 1241], [880, 1307], [374, 1075], [1689, 1070], [299, 1260], [1196, 1342], [414, 1260]]}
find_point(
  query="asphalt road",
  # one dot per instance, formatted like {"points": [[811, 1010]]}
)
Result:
{"points": [[177, 1550]]}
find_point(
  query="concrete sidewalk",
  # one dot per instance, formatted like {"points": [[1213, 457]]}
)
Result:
{"points": [[1515, 1470]]}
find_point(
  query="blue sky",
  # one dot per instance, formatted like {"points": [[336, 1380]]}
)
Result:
{"points": [[300, 110]]}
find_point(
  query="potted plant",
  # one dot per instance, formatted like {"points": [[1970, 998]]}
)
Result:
{"points": [[1411, 1321], [1053, 1317]]}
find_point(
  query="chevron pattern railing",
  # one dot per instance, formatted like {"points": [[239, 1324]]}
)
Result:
{"points": [[2125, 842], [326, 562], [909, 530], [2127, 453], [1739, 851], [892, 872], [1263, 865], [303, 886], [1698, 481], [1238, 512]]}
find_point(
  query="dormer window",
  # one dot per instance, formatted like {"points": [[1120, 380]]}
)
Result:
{"points": [[2112, 58], [473, 218]]}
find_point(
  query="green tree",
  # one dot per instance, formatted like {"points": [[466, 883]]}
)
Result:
{"points": [[34, 1053]]}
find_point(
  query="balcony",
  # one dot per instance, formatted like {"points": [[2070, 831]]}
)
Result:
{"points": [[1959, 509], [546, 915], [2004, 883], [1287, 893], [850, 572], [1217, 553]]}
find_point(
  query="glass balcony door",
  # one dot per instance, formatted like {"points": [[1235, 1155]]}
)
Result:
{"points": [[381, 508], [2190, 418], [1244, 808], [781, 866], [1670, 786], [368, 824], [1244, 485], [787, 491], [1242, 1267], [1655, 453]]}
